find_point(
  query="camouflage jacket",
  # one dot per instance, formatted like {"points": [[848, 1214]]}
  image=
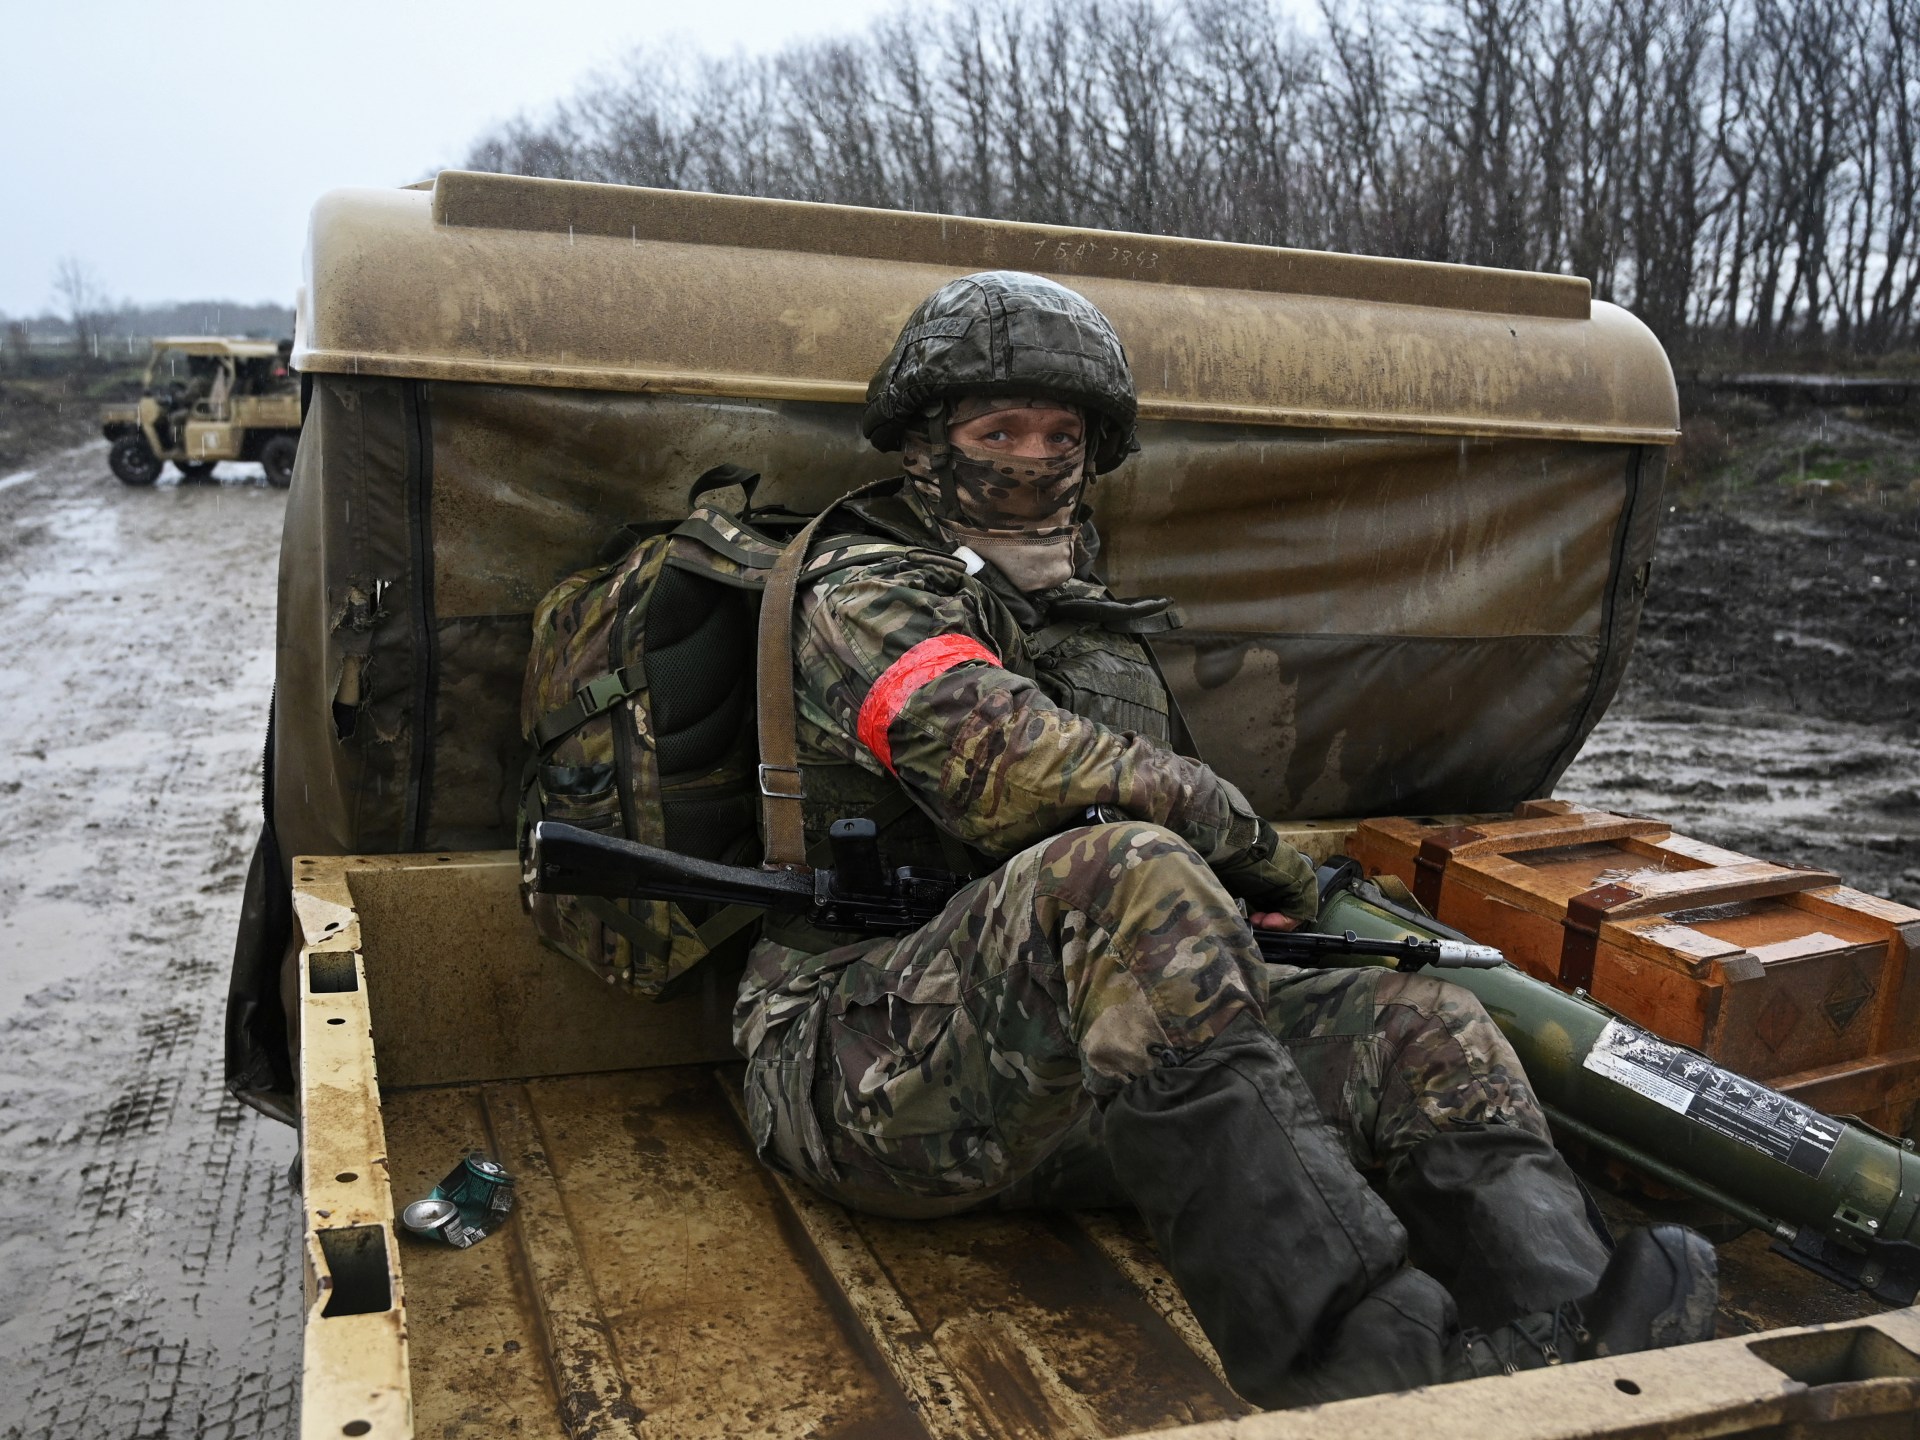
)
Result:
{"points": [[1003, 717], [1031, 709], [981, 747]]}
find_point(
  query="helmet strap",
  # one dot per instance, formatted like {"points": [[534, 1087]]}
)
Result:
{"points": [[1095, 428], [940, 458]]}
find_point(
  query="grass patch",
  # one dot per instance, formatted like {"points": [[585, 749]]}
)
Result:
{"points": [[1740, 450]]}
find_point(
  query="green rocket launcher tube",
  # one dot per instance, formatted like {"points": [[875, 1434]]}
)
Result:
{"points": [[1838, 1197]]}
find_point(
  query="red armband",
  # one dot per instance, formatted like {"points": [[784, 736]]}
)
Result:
{"points": [[927, 661]]}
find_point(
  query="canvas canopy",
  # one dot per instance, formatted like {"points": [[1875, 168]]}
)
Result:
{"points": [[1408, 508]]}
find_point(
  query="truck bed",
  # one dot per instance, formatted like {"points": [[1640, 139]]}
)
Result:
{"points": [[654, 1263], [655, 1279]]}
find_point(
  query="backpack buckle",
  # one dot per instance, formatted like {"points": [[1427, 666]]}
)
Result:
{"points": [[795, 793], [602, 693]]}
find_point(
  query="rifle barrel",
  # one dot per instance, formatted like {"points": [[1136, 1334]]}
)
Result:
{"points": [[1305, 947]]}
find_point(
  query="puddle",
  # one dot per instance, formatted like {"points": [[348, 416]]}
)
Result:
{"points": [[45, 942]]}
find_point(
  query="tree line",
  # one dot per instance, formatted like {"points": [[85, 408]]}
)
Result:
{"points": [[99, 327], [1743, 174]]}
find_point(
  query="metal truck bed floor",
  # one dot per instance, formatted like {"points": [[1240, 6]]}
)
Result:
{"points": [[663, 1269], [657, 1272]]}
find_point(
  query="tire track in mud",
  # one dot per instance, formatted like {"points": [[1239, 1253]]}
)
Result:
{"points": [[1789, 788], [147, 1235]]}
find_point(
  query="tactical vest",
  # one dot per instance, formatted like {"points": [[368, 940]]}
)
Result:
{"points": [[1084, 650]]}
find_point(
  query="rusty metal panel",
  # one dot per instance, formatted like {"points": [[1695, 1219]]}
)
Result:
{"points": [[477, 1364], [644, 1285], [1027, 1313], [661, 1279]]}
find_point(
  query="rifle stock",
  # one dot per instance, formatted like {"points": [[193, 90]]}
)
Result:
{"points": [[566, 860]]}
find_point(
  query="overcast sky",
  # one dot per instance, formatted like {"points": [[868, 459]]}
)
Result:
{"points": [[177, 148]]}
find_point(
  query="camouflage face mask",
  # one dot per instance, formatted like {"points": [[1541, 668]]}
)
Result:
{"points": [[1018, 513]]}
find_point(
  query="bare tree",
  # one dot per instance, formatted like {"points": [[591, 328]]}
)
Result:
{"points": [[1735, 170], [82, 299]]}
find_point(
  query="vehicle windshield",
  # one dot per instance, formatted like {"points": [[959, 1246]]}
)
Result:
{"points": [[176, 368]]}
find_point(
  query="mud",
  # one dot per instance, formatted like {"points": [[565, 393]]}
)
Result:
{"points": [[56, 407], [146, 1228], [146, 1231], [1772, 704]]}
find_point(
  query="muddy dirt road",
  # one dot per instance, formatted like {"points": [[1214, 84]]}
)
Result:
{"points": [[146, 1231], [1773, 701], [146, 1228]]}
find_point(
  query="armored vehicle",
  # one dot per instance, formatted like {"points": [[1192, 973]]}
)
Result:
{"points": [[1408, 509], [206, 399]]}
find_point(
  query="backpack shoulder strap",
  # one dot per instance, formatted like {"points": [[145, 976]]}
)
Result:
{"points": [[783, 820], [730, 537]]}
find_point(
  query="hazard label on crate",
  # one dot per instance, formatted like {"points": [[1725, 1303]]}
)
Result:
{"points": [[1694, 1086]]}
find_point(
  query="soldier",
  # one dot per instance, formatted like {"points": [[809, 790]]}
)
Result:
{"points": [[1090, 1021]]}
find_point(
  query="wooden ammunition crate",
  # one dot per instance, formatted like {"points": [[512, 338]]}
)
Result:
{"points": [[1779, 973]]}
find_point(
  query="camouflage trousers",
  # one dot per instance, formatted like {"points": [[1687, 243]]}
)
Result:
{"points": [[962, 1064]]}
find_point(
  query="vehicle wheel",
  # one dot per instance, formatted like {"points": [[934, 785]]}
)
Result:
{"points": [[195, 470], [277, 456], [133, 461]]}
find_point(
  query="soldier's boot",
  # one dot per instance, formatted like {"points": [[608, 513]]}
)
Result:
{"points": [[1494, 1214], [1659, 1289], [1295, 1269]]}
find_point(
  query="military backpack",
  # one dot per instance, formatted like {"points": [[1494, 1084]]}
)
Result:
{"points": [[640, 706]]}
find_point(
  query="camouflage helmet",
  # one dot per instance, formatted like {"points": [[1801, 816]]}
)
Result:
{"points": [[1007, 331]]}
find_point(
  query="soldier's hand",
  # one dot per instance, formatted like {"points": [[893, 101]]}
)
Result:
{"points": [[1271, 920], [1272, 877]]}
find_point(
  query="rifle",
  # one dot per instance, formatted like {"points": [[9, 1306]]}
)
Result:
{"points": [[860, 894]]}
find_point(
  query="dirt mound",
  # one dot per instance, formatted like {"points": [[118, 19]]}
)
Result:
{"points": [[1786, 600], [44, 413]]}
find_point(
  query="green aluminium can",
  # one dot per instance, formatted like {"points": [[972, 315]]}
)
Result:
{"points": [[1837, 1196], [466, 1207]]}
